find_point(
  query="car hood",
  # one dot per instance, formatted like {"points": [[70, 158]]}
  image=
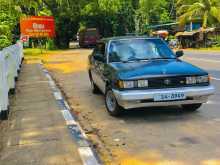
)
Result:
{"points": [[155, 68]]}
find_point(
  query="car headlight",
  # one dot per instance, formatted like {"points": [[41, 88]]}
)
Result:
{"points": [[190, 80], [126, 84], [197, 79], [142, 83], [202, 79], [132, 84]]}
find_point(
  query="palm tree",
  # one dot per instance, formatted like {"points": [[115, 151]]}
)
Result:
{"points": [[207, 10]]}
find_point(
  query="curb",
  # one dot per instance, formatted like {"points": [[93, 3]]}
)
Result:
{"points": [[86, 152]]}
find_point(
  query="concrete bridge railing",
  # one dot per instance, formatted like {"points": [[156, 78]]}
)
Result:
{"points": [[10, 65]]}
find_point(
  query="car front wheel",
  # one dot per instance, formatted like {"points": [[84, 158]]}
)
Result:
{"points": [[191, 107], [111, 104]]}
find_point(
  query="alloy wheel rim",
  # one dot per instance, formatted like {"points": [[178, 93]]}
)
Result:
{"points": [[110, 101]]}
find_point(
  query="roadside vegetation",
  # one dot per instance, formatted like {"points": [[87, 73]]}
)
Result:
{"points": [[112, 18], [32, 54]]}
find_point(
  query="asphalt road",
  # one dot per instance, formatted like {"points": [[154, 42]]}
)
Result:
{"points": [[210, 63], [160, 136]]}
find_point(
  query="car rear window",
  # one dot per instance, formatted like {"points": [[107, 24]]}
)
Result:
{"points": [[91, 33]]}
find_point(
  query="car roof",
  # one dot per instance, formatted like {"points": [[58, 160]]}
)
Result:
{"points": [[127, 37]]}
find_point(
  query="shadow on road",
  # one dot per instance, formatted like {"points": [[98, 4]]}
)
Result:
{"points": [[157, 114]]}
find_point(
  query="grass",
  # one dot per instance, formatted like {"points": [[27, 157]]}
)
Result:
{"points": [[37, 54], [34, 52]]}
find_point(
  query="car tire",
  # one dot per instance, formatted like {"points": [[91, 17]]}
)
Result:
{"points": [[112, 106], [191, 107], [4, 115], [94, 87], [12, 91]]}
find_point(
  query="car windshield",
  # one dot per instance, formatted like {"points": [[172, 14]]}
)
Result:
{"points": [[139, 49]]}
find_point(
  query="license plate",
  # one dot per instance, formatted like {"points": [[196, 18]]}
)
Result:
{"points": [[169, 96]]}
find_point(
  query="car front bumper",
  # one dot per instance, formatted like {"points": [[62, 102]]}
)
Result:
{"points": [[145, 98]]}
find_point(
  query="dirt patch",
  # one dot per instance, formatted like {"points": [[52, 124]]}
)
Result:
{"points": [[1, 136], [3, 127]]}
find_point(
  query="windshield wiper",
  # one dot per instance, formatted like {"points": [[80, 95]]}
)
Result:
{"points": [[145, 59], [162, 58], [139, 59], [132, 60], [124, 61]]}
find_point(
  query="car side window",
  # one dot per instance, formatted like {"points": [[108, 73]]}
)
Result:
{"points": [[99, 52], [100, 48]]}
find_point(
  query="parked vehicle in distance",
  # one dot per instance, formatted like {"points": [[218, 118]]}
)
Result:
{"points": [[134, 72], [88, 37]]}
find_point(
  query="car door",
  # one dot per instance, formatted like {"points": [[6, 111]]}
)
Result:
{"points": [[99, 61]]}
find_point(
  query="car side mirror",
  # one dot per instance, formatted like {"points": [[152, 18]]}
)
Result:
{"points": [[99, 57], [179, 53]]}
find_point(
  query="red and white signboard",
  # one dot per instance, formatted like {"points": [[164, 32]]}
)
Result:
{"points": [[37, 26], [24, 38]]}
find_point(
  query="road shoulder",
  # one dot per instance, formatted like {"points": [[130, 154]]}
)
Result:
{"points": [[36, 132]]}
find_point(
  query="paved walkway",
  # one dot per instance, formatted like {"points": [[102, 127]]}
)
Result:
{"points": [[36, 133]]}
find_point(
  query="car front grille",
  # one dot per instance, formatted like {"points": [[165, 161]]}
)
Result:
{"points": [[169, 82]]}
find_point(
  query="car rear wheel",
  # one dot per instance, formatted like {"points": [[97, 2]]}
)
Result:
{"points": [[112, 106], [191, 107]]}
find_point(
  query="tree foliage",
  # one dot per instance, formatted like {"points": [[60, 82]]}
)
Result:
{"points": [[111, 17], [10, 12], [8, 20], [206, 10]]}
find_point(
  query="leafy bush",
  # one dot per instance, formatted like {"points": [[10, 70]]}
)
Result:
{"points": [[4, 41], [217, 41], [50, 44], [5, 36], [8, 22]]}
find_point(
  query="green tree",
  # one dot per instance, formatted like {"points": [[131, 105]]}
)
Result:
{"points": [[115, 17], [67, 18], [206, 10], [111, 17], [8, 21], [153, 12]]}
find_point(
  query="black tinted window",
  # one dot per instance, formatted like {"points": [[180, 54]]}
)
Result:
{"points": [[100, 48], [91, 33]]}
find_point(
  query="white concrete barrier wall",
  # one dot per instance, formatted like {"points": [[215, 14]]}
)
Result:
{"points": [[3, 84], [10, 63]]}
